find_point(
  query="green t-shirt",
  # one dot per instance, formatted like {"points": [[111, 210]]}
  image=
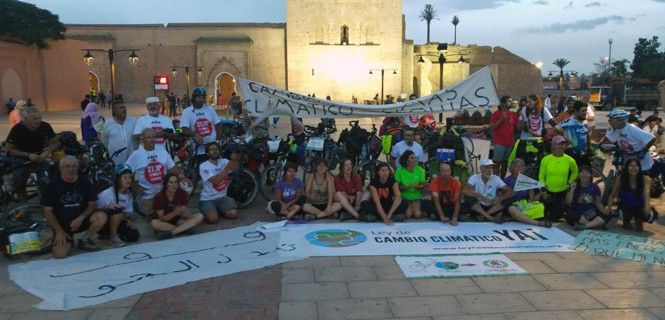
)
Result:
{"points": [[557, 172], [404, 177]]}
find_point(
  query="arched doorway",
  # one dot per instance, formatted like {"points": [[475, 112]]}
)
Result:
{"points": [[94, 83], [12, 86], [225, 85]]}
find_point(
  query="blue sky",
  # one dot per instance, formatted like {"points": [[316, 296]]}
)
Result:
{"points": [[537, 30]]}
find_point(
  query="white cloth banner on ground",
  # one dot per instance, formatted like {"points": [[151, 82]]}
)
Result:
{"points": [[363, 239], [444, 266], [523, 182], [93, 278], [262, 100], [621, 246]]}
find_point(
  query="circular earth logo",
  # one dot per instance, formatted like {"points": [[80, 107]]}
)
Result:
{"points": [[496, 264], [446, 265], [335, 238]]}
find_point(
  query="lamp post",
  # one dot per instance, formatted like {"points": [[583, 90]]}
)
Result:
{"points": [[88, 58], [383, 72], [562, 78]]}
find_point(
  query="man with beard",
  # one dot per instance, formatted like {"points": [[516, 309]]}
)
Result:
{"points": [[408, 144], [215, 175], [575, 130], [155, 121], [200, 121], [117, 133]]}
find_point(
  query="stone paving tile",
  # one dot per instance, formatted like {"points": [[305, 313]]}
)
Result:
{"points": [[622, 280], [368, 261], [544, 315], [296, 275], [110, 313], [424, 306], [381, 289], [6, 315], [625, 265], [314, 291], [297, 310], [534, 266], [438, 287], [658, 312], [50, 315], [313, 262], [344, 273], [619, 314], [573, 255], [493, 303], [389, 272], [8, 287], [562, 300], [659, 291], [576, 265], [567, 281], [626, 298], [124, 302], [494, 316], [354, 309], [18, 302], [508, 284], [518, 256]]}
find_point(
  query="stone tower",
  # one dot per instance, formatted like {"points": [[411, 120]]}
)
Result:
{"points": [[333, 44]]}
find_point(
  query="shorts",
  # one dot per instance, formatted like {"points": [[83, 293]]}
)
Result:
{"points": [[320, 206], [220, 205], [83, 227], [145, 206], [470, 201], [429, 208], [501, 153]]}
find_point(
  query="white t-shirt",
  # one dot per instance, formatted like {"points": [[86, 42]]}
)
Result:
{"points": [[632, 139], [488, 189], [158, 123], [210, 190], [535, 122], [202, 121], [107, 198], [548, 103], [116, 136], [401, 146], [590, 116], [150, 167]]}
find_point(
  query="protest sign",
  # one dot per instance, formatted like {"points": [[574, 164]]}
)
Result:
{"points": [[621, 246], [523, 182]]}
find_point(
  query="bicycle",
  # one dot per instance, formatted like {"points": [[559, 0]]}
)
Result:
{"points": [[243, 183], [318, 144], [275, 170], [99, 166], [370, 150], [23, 229]]}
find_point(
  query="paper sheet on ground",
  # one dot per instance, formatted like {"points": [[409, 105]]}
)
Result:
{"points": [[621, 246], [443, 266], [93, 278], [360, 239]]}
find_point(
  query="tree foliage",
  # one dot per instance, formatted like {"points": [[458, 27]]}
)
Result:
{"points": [[561, 63], [428, 14], [28, 24], [455, 22], [648, 63]]}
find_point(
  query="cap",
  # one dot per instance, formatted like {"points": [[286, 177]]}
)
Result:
{"points": [[151, 100], [486, 162], [122, 169], [558, 139]]}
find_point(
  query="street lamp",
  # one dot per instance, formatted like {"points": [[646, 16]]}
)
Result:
{"points": [[88, 58], [562, 77], [174, 72], [383, 71]]}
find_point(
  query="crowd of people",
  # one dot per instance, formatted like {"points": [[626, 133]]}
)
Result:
{"points": [[147, 180]]}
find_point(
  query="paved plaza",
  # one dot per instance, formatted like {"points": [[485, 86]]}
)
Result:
{"points": [[559, 285]]}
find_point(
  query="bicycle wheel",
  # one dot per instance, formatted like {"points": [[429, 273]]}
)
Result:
{"points": [[532, 171], [606, 189], [269, 177], [30, 217], [242, 187]]}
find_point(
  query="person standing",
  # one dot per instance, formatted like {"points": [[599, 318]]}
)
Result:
{"points": [[557, 171], [631, 140], [160, 124], [575, 130], [201, 122], [534, 117], [117, 133], [504, 124], [91, 123]]}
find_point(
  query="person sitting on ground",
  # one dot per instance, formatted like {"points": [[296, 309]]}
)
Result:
{"points": [[320, 192], [632, 190], [557, 171], [444, 196], [171, 216], [385, 203], [348, 190], [486, 194], [408, 143], [289, 194], [70, 207], [91, 123], [117, 202], [215, 176], [411, 179], [586, 210], [526, 206]]}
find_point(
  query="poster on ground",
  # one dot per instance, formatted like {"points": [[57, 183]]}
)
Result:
{"points": [[453, 266], [621, 246]]}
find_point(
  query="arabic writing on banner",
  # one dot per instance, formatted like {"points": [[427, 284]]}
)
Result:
{"points": [[621, 246], [261, 100]]}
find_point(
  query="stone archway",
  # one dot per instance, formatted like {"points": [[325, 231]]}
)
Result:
{"points": [[12, 86], [225, 85], [93, 79], [223, 65]]}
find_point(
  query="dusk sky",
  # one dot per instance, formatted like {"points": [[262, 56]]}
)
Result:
{"points": [[538, 30]]}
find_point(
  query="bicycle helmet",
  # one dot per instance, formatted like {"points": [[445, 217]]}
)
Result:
{"points": [[198, 91], [122, 169], [618, 114]]}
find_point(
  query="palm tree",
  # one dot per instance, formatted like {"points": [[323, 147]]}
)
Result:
{"points": [[428, 14], [561, 63], [455, 22]]}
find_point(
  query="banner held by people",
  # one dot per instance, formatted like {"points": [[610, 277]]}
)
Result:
{"points": [[261, 100]]}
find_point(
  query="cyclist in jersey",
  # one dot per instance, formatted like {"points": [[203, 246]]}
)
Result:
{"points": [[200, 121], [631, 140], [575, 130]]}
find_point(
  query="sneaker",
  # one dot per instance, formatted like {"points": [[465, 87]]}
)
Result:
{"points": [[88, 245], [366, 217], [579, 226], [116, 242], [269, 208], [343, 216], [653, 216], [163, 235], [434, 217], [189, 231]]}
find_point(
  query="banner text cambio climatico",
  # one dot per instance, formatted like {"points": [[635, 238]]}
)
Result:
{"points": [[261, 100]]}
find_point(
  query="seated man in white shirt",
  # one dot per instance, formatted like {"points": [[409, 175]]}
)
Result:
{"points": [[215, 176], [486, 194], [407, 144]]}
